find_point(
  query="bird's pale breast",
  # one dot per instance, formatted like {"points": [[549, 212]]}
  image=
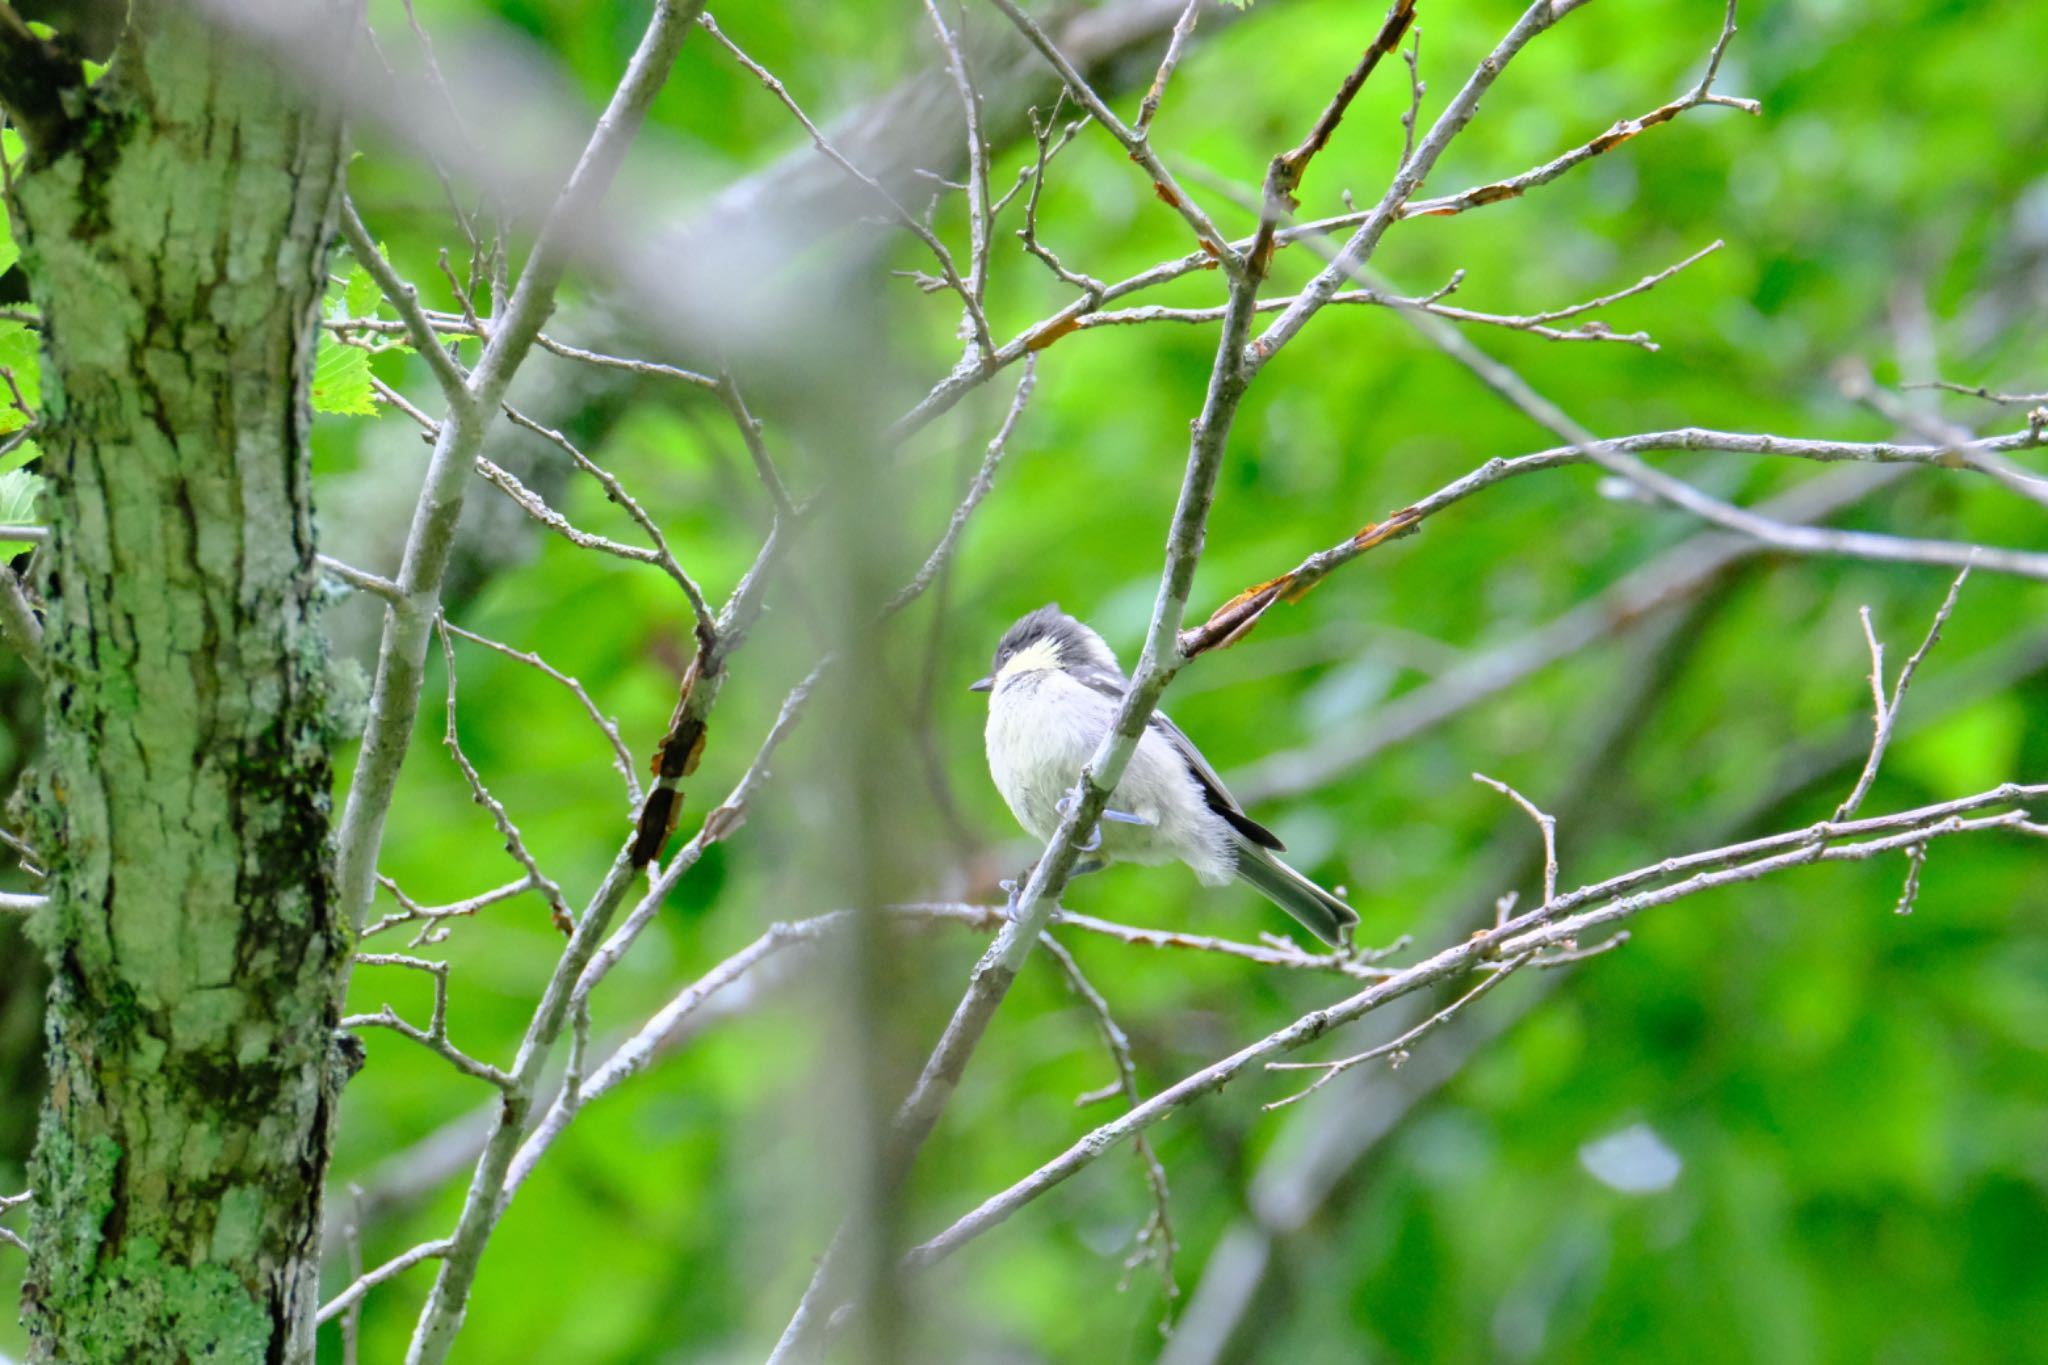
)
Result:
{"points": [[1044, 726]]}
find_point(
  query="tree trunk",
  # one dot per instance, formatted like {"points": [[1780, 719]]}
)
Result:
{"points": [[176, 219]]}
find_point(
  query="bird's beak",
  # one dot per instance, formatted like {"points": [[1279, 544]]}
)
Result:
{"points": [[984, 685]]}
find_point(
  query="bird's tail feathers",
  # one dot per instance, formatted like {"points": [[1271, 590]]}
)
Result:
{"points": [[1321, 913]]}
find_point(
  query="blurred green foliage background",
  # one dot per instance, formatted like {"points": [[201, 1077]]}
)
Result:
{"points": [[1856, 1101]]}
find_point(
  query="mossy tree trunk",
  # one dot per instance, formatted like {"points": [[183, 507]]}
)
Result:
{"points": [[176, 217]]}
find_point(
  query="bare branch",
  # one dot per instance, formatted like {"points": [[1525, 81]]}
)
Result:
{"points": [[1092, 289], [411, 911], [984, 480], [1516, 186], [621, 759], [434, 1037], [1359, 249], [1417, 88], [1887, 713], [1155, 1239], [404, 297], [1133, 143], [638, 1052], [1235, 618], [907, 220], [707, 626], [8, 1204], [1540, 929], [2016, 400], [514, 843], [391, 1269], [648, 368], [750, 434], [536, 507], [1532, 323], [1397, 1049], [1159, 661], [401, 659], [980, 217], [1780, 535], [1959, 444], [1545, 824], [1284, 173], [1916, 859], [362, 579], [1183, 28]]}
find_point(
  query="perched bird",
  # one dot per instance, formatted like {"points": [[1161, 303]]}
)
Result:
{"points": [[1053, 694]]}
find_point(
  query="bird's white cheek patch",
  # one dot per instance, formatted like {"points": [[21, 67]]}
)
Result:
{"points": [[1036, 657]]}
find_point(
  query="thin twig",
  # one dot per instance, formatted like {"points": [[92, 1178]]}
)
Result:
{"points": [[980, 224], [1417, 88], [362, 579], [1886, 714], [1395, 1050], [1155, 1241], [1545, 824], [1622, 131], [391, 1269], [1284, 173], [622, 759], [1916, 859], [1516, 940], [1533, 323], [728, 391], [430, 539], [403, 297], [1092, 289], [649, 368], [1183, 29], [1133, 143], [411, 911], [707, 626], [515, 844], [2017, 400], [536, 507], [1363, 242], [984, 480], [434, 1036], [977, 319], [1812, 540]]}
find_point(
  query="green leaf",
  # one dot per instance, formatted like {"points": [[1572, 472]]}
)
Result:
{"points": [[25, 453], [20, 492], [361, 294], [21, 354], [341, 380]]}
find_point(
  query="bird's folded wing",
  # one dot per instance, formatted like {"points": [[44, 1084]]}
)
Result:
{"points": [[1112, 685]]}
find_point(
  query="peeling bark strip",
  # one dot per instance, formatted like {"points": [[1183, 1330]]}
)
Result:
{"points": [[175, 237], [675, 758]]}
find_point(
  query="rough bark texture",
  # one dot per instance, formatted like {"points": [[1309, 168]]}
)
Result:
{"points": [[176, 234]]}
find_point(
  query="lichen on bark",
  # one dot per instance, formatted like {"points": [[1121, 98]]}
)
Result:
{"points": [[175, 233]]}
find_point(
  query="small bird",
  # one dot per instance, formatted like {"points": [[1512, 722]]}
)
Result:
{"points": [[1053, 694]]}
